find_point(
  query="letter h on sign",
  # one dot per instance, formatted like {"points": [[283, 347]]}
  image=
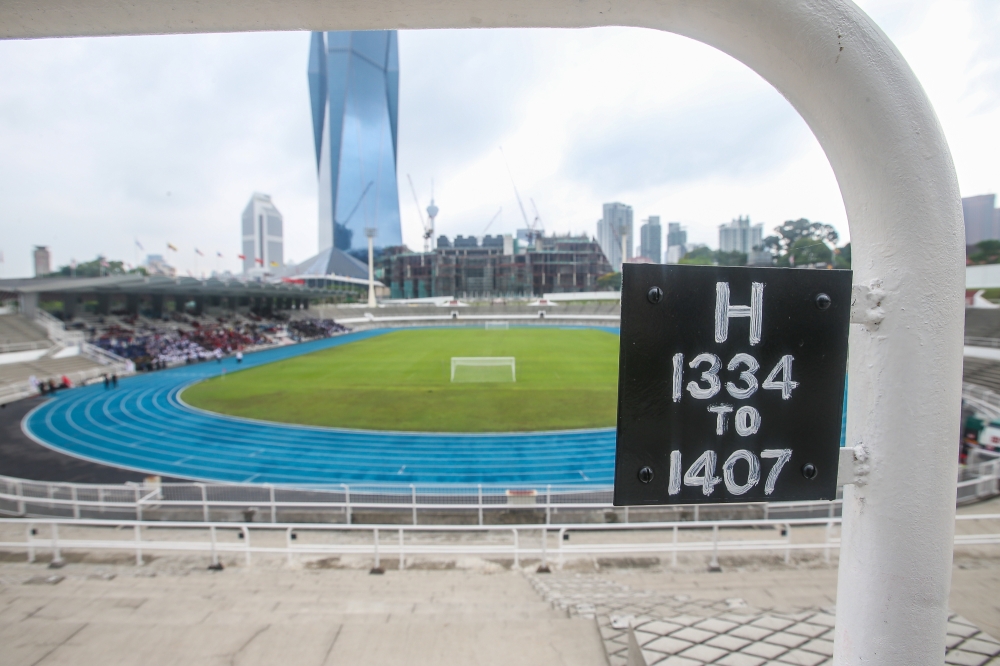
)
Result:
{"points": [[724, 311]]}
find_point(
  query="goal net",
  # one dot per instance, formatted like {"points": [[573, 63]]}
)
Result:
{"points": [[498, 325], [483, 369]]}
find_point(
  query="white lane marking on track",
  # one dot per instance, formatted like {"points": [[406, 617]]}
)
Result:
{"points": [[363, 439]]}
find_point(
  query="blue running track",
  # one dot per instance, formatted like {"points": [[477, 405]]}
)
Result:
{"points": [[144, 426]]}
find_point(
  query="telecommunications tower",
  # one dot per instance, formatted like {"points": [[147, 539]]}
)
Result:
{"points": [[432, 212]]}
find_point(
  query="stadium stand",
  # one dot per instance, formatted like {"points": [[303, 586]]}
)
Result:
{"points": [[28, 355], [982, 323], [20, 334], [157, 343], [982, 329]]}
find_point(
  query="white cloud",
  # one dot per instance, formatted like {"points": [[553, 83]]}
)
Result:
{"points": [[94, 133]]}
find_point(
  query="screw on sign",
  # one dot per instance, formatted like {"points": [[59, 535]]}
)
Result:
{"points": [[731, 383]]}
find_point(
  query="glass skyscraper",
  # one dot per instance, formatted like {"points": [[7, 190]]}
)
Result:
{"points": [[354, 90]]}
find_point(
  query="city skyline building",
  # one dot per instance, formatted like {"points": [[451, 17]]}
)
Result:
{"points": [[157, 265], [677, 238], [617, 221], [740, 236], [43, 260], [651, 239], [465, 268], [354, 95], [982, 219], [263, 234]]}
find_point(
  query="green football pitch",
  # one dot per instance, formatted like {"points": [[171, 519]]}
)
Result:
{"points": [[565, 378]]}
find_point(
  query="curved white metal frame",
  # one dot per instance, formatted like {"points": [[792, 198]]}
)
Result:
{"points": [[889, 154]]}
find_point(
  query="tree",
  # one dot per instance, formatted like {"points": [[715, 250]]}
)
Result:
{"points": [[801, 242], [730, 258], [986, 252], [700, 256], [805, 252], [842, 257], [610, 282], [95, 269], [792, 230]]}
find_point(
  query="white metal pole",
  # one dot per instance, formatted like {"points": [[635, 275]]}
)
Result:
{"points": [[371, 266], [137, 529], [204, 502], [548, 504], [29, 538], [56, 555], [888, 152], [274, 507], [715, 548], [347, 501]]}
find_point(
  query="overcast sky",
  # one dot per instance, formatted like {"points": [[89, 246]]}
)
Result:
{"points": [[163, 139]]}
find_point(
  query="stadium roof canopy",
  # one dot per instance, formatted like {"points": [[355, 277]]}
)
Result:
{"points": [[330, 263], [142, 285]]}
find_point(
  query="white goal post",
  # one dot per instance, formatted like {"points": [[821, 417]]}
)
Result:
{"points": [[483, 369], [498, 325]]}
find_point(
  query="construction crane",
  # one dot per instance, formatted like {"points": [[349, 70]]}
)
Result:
{"points": [[536, 225], [492, 220], [533, 231], [432, 212]]}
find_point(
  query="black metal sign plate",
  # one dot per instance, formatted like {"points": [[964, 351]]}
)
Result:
{"points": [[731, 384]]}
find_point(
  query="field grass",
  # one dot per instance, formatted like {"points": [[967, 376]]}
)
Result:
{"points": [[566, 378]]}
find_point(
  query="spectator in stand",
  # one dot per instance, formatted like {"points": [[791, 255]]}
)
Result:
{"points": [[154, 345]]}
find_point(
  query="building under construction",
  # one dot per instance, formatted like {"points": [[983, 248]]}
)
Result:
{"points": [[498, 266]]}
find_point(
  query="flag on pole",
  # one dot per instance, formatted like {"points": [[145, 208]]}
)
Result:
{"points": [[172, 246], [274, 263], [198, 252], [218, 254], [241, 256], [139, 245], [259, 261]]}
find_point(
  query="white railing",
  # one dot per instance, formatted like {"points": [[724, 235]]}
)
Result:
{"points": [[977, 480], [206, 502], [983, 400], [478, 504], [24, 389], [972, 341], [104, 357], [56, 330], [296, 539], [368, 540], [6, 347], [456, 316]]}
